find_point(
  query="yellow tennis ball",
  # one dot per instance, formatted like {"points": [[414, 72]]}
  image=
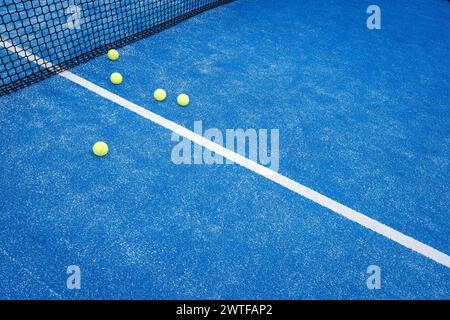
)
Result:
{"points": [[113, 54], [160, 94], [116, 78], [100, 149], [183, 100]]}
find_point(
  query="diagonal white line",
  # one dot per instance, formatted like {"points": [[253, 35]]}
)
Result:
{"points": [[284, 181]]}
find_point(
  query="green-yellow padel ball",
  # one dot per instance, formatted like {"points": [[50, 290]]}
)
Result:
{"points": [[113, 54], [116, 78], [160, 94], [183, 100], [100, 149]]}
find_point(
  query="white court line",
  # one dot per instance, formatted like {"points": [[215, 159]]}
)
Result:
{"points": [[284, 181]]}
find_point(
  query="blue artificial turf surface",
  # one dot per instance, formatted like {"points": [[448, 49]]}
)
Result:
{"points": [[363, 118]]}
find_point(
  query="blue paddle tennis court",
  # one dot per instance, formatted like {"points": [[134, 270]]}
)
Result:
{"points": [[357, 192]]}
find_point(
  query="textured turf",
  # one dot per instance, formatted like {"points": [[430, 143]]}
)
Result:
{"points": [[363, 118]]}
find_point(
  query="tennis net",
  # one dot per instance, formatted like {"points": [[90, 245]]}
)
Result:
{"points": [[66, 33]]}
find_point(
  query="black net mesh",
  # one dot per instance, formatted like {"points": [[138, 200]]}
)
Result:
{"points": [[66, 33]]}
